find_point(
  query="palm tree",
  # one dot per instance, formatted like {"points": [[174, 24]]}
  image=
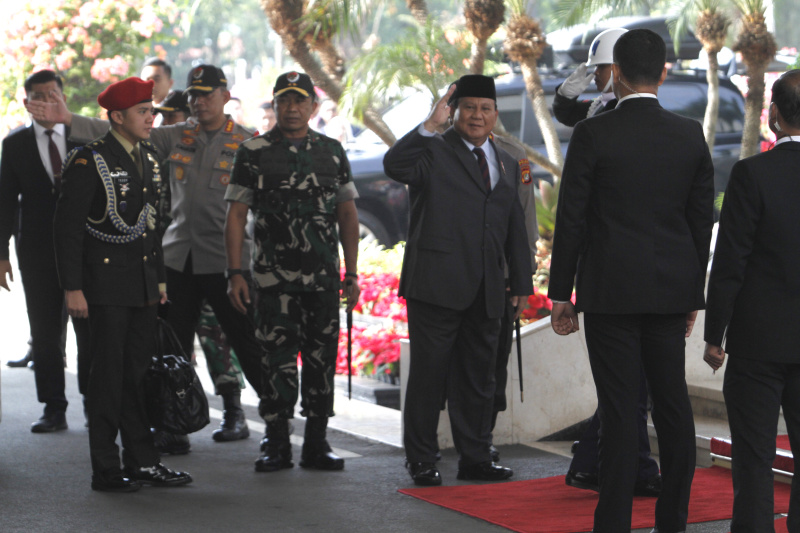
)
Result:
{"points": [[525, 43], [483, 18], [286, 17], [711, 29], [758, 47]]}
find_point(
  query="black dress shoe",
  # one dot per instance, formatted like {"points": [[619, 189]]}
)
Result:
{"points": [[425, 474], [116, 483], [486, 471], [50, 423], [320, 457], [650, 487], [171, 443], [583, 480], [158, 476], [21, 363], [495, 453], [233, 426]]}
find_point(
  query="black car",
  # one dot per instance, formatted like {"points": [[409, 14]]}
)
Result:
{"points": [[383, 205]]}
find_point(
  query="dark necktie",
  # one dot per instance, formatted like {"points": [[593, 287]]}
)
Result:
{"points": [[484, 166], [55, 159], [137, 160]]}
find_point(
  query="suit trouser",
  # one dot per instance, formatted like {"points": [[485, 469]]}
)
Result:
{"points": [[187, 291], [754, 393], [48, 323], [122, 347], [587, 455], [620, 346], [452, 351], [504, 347]]}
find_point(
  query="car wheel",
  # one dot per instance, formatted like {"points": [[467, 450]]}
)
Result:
{"points": [[371, 230]]}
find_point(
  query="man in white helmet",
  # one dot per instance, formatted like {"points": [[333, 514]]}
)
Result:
{"points": [[566, 107], [583, 471]]}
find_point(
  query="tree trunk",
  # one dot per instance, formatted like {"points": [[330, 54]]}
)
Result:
{"points": [[753, 106], [282, 15], [712, 107], [533, 84], [477, 56], [419, 10]]}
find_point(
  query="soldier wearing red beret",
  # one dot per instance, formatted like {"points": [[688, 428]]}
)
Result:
{"points": [[112, 271]]}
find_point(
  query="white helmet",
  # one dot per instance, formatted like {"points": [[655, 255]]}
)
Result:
{"points": [[601, 52]]}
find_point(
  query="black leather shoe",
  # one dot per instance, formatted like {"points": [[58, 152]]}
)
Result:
{"points": [[486, 471], [233, 426], [317, 452], [583, 480], [424, 474], [172, 444], [116, 483], [650, 487], [21, 363], [276, 449], [50, 423], [158, 476], [495, 453]]}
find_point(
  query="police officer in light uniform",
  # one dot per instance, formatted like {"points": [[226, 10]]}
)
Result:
{"points": [[298, 184], [111, 268], [566, 107]]}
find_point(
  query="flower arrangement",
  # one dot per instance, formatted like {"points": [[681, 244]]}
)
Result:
{"points": [[381, 319]]}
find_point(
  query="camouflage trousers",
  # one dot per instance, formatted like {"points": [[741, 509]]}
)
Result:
{"points": [[288, 323], [223, 366]]}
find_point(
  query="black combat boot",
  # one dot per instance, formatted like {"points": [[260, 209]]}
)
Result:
{"points": [[276, 450], [316, 450], [233, 425]]}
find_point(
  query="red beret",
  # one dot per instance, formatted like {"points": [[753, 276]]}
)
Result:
{"points": [[126, 93]]}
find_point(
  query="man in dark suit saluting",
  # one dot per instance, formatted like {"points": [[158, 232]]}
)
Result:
{"points": [[466, 226], [633, 229], [30, 180], [753, 306]]}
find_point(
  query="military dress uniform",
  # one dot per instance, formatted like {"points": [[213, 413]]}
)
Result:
{"points": [[293, 191], [107, 246]]}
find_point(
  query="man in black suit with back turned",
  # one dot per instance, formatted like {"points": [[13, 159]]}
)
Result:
{"points": [[30, 179], [466, 225], [753, 307], [633, 229]]}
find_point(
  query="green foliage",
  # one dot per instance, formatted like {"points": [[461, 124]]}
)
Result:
{"points": [[428, 56], [718, 201], [89, 43]]}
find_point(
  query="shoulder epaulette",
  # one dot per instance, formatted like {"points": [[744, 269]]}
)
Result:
{"points": [[72, 157], [148, 145]]}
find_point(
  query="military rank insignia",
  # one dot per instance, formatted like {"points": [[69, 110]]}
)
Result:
{"points": [[525, 170], [81, 161]]}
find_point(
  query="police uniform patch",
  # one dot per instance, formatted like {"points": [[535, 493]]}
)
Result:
{"points": [[238, 137], [228, 126], [525, 170], [179, 173], [188, 140], [225, 179], [232, 146]]}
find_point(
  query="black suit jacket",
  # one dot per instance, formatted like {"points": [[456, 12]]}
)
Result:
{"points": [[108, 273], [754, 288], [26, 186], [459, 235], [635, 213]]}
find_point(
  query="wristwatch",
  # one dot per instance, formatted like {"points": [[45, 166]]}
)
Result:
{"points": [[230, 272]]}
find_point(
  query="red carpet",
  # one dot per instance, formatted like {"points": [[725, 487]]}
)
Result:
{"points": [[549, 506], [784, 460]]}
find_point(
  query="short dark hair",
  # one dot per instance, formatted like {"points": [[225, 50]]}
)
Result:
{"points": [[157, 62], [786, 95], [43, 76], [641, 55]]}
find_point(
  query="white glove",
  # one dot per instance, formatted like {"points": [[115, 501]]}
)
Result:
{"points": [[576, 83]]}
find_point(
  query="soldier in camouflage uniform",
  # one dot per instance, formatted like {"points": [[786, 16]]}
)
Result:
{"points": [[299, 186]]}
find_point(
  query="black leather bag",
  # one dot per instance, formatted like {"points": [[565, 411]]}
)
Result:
{"points": [[175, 399]]}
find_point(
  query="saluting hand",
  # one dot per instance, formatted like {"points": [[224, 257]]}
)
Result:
{"points": [[440, 114]]}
